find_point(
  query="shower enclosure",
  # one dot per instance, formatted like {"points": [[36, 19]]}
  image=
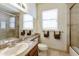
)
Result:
{"points": [[74, 27]]}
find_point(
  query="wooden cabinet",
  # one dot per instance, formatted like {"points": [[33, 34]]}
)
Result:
{"points": [[34, 51]]}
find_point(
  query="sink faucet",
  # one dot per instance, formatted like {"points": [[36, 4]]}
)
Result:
{"points": [[11, 44]]}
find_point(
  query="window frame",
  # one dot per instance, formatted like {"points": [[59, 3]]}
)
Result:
{"points": [[50, 19], [28, 21]]}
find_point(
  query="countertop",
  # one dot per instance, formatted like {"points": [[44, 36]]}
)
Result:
{"points": [[31, 45]]}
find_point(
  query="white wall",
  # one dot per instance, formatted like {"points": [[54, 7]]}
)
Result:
{"points": [[62, 23]]}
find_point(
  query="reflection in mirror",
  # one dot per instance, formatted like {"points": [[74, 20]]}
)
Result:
{"points": [[9, 26]]}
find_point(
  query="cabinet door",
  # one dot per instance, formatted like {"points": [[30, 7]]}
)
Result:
{"points": [[34, 51]]}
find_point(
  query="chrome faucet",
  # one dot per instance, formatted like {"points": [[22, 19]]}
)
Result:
{"points": [[11, 44]]}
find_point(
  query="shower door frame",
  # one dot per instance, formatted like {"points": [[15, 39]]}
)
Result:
{"points": [[70, 21]]}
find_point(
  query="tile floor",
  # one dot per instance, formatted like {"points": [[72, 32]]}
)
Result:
{"points": [[53, 52]]}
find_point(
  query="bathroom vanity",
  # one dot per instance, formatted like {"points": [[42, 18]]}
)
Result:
{"points": [[27, 47], [33, 51], [33, 47]]}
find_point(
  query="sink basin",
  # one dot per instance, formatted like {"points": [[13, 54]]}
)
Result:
{"points": [[17, 49]]}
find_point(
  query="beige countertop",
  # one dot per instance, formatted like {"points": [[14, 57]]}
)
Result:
{"points": [[31, 45]]}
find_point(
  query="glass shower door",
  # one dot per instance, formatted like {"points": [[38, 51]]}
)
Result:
{"points": [[75, 27]]}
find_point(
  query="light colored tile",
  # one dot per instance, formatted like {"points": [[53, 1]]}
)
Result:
{"points": [[43, 53], [52, 52], [63, 54]]}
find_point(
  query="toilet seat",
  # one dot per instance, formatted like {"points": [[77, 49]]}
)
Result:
{"points": [[42, 47]]}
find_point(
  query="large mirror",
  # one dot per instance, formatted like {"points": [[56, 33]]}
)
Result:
{"points": [[9, 26]]}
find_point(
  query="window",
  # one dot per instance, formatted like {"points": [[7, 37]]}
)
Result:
{"points": [[49, 18], [27, 21], [3, 24], [12, 22]]}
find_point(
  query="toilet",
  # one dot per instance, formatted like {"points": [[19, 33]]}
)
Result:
{"points": [[43, 49]]}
